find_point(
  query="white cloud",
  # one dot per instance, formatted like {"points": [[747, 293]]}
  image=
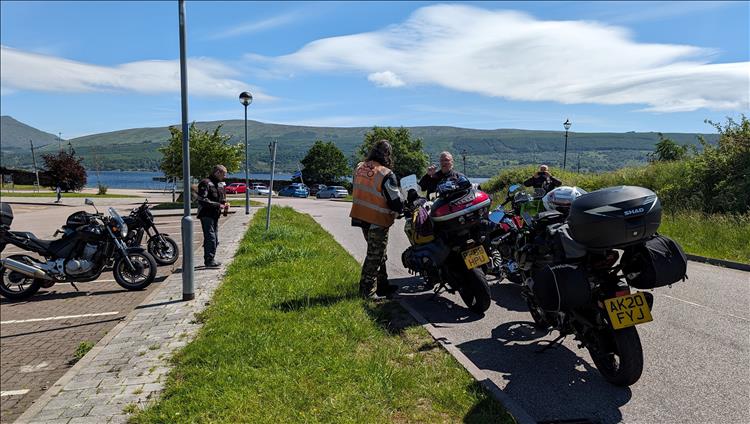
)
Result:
{"points": [[385, 79], [518, 57], [256, 26], [30, 71]]}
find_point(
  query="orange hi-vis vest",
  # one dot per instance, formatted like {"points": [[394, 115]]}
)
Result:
{"points": [[369, 204]]}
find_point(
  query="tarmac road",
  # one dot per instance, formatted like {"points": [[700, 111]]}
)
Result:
{"points": [[697, 349]]}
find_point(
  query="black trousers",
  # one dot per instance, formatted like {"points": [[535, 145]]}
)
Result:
{"points": [[210, 228]]}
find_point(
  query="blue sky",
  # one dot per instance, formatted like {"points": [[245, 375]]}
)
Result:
{"points": [[87, 67]]}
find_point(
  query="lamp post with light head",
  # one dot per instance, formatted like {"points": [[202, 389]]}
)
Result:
{"points": [[246, 98], [567, 125]]}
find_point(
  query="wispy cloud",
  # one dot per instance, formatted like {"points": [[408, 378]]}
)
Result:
{"points": [[385, 79], [516, 56], [647, 11], [256, 26], [30, 71]]}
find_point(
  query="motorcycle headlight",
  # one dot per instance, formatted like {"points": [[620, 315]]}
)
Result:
{"points": [[124, 229]]}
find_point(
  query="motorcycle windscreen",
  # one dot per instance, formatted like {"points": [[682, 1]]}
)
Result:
{"points": [[407, 183]]}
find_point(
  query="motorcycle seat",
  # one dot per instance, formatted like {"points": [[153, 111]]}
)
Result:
{"points": [[31, 237]]}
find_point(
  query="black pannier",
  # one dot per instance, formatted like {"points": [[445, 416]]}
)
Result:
{"points": [[562, 286], [658, 262], [6, 214], [614, 217]]}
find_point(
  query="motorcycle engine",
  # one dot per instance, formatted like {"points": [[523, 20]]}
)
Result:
{"points": [[83, 264]]}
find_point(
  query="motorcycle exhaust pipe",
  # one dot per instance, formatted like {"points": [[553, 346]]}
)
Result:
{"points": [[25, 269]]}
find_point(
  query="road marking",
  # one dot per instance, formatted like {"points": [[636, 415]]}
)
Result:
{"points": [[14, 392], [34, 368], [20, 321], [705, 307]]}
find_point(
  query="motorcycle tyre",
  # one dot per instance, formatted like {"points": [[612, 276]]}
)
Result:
{"points": [[474, 291], [152, 246], [540, 323], [628, 348], [124, 283], [14, 295]]}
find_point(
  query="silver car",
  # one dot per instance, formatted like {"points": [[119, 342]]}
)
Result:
{"points": [[332, 192]]}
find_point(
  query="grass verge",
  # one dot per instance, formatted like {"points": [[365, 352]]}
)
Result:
{"points": [[714, 236], [52, 195], [286, 339]]}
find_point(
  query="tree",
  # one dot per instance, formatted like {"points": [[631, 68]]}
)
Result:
{"points": [[324, 163], [667, 150], [65, 168], [408, 154], [207, 149]]}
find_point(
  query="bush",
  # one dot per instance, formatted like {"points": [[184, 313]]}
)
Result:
{"points": [[102, 190]]}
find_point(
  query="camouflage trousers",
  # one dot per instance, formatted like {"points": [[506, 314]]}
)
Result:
{"points": [[374, 274]]}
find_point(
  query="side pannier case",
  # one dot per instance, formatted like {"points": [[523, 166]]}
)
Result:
{"points": [[615, 217], [658, 262], [6, 214]]}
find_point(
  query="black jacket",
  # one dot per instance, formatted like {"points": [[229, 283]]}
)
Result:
{"points": [[210, 198], [547, 182], [429, 183]]}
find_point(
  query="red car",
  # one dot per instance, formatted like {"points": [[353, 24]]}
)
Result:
{"points": [[235, 188]]}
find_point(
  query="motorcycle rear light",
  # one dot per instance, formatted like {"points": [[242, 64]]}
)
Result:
{"points": [[621, 293]]}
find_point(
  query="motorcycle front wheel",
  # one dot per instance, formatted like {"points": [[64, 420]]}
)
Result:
{"points": [[16, 286], [138, 278], [619, 356], [474, 290], [164, 249]]}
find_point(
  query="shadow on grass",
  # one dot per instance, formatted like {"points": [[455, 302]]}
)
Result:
{"points": [[312, 302], [390, 316], [486, 410]]}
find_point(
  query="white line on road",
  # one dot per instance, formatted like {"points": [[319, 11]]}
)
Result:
{"points": [[20, 321], [14, 392], [705, 307], [34, 368]]}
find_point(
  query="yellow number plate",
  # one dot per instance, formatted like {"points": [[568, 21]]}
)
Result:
{"points": [[475, 257], [627, 311]]}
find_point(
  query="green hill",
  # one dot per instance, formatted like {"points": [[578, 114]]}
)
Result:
{"points": [[486, 150], [15, 136]]}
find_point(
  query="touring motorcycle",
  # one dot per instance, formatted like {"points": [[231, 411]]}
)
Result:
{"points": [[89, 242], [446, 241]]}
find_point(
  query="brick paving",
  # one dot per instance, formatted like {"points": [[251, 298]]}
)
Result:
{"points": [[34, 355], [126, 368]]}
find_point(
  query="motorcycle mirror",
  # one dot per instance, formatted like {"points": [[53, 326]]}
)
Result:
{"points": [[513, 188], [497, 215], [89, 202]]}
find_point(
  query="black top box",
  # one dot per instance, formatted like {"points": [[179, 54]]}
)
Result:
{"points": [[614, 217], [6, 214]]}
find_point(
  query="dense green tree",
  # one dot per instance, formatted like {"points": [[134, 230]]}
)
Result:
{"points": [[408, 153], [324, 163], [667, 150], [207, 149], [65, 169]]}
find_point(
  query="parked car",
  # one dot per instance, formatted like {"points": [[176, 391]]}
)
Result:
{"points": [[235, 188], [295, 190], [315, 188], [332, 192], [258, 189]]}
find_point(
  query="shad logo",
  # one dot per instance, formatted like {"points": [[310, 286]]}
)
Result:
{"points": [[633, 211]]}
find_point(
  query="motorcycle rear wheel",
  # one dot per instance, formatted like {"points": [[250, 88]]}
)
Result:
{"points": [[138, 279], [474, 290], [25, 286], [620, 356], [164, 249]]}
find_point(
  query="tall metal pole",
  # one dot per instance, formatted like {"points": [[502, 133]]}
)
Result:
{"points": [[565, 155], [59, 141], [33, 159], [188, 286], [247, 172], [463, 155], [270, 187]]}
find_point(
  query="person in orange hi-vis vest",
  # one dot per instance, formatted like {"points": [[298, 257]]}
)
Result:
{"points": [[376, 203]]}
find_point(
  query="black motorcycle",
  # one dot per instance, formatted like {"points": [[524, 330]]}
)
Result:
{"points": [[89, 243], [162, 247], [446, 242]]}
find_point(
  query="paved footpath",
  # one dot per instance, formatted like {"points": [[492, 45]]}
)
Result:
{"points": [[128, 366]]}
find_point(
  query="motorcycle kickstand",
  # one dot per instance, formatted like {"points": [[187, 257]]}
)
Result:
{"points": [[74, 286], [437, 290], [554, 343]]}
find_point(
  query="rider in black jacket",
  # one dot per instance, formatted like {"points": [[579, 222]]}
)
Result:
{"points": [[211, 201], [435, 176], [543, 179]]}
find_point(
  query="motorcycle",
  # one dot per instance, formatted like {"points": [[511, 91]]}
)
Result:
{"points": [[574, 284], [446, 241], [89, 243], [162, 247]]}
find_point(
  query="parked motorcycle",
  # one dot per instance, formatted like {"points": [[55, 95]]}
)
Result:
{"points": [[573, 282], [88, 243], [162, 247], [446, 241]]}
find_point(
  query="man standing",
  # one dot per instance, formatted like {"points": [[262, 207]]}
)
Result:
{"points": [[543, 179], [58, 192], [375, 205], [434, 177], [212, 200]]}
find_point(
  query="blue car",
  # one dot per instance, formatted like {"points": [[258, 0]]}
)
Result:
{"points": [[295, 190]]}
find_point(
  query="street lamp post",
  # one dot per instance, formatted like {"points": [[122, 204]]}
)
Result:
{"points": [[188, 272], [566, 124], [463, 155], [246, 98]]}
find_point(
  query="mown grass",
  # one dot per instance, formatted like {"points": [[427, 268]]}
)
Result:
{"points": [[714, 236], [286, 339], [51, 194]]}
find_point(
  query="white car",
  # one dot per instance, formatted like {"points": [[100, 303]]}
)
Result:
{"points": [[258, 190], [332, 192]]}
